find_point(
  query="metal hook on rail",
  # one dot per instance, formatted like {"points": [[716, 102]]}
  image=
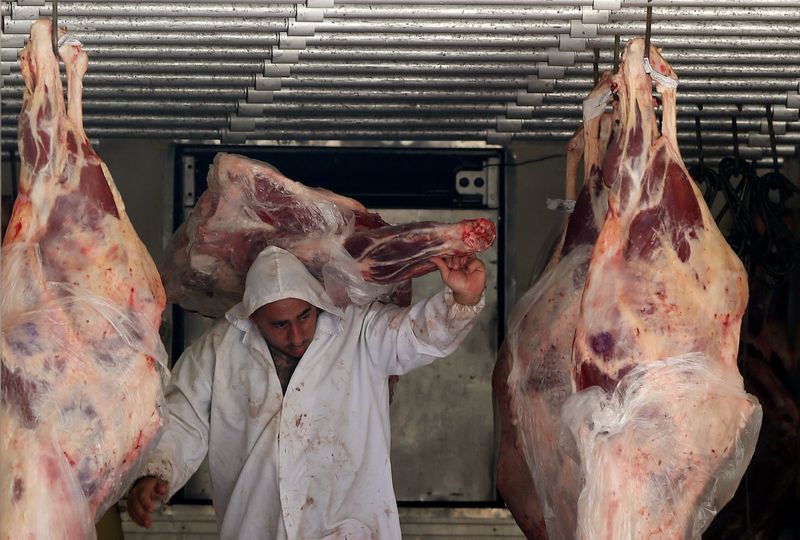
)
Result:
{"points": [[736, 134], [647, 30], [699, 138], [772, 141], [703, 176], [616, 52], [54, 27], [595, 66]]}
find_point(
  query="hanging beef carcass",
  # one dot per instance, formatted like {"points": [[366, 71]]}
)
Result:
{"points": [[249, 205], [666, 429], [531, 380], [82, 360]]}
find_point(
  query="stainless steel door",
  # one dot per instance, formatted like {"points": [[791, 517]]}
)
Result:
{"points": [[442, 416]]}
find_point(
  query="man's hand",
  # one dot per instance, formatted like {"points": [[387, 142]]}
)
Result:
{"points": [[466, 276], [142, 497]]}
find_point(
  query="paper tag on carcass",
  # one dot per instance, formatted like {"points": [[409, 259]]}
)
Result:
{"points": [[659, 77], [594, 106], [565, 206], [69, 39]]}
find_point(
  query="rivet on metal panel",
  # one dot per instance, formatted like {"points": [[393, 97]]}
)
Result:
{"points": [[19, 11], [297, 28], [570, 44], [516, 111], [11, 26], [498, 138], [577, 29], [16, 41], [536, 84], [234, 138], [253, 110], [779, 127], [506, 125], [8, 54], [546, 71], [267, 83], [595, 16], [277, 70], [606, 4], [756, 139], [307, 14], [189, 184], [786, 114], [241, 124], [559, 58], [285, 41], [526, 99], [259, 96], [285, 57]]}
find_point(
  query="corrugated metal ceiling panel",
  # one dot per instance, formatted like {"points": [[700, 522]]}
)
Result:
{"points": [[491, 71]]}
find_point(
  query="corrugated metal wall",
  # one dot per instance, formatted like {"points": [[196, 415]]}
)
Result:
{"points": [[486, 70]]}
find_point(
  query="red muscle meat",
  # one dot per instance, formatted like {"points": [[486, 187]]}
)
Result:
{"points": [[249, 205], [664, 429], [82, 361], [531, 381]]}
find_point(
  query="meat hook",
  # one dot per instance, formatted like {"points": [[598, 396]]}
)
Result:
{"points": [[54, 28], [647, 30], [772, 138]]}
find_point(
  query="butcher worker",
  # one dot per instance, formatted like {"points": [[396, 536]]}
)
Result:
{"points": [[288, 396]]}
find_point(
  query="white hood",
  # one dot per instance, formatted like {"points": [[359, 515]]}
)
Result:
{"points": [[275, 275]]}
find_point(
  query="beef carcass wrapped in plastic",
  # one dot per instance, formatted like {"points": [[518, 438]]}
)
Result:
{"points": [[661, 422], [531, 381], [250, 205], [82, 360]]}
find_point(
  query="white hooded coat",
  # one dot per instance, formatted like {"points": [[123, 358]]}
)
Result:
{"points": [[314, 463]]}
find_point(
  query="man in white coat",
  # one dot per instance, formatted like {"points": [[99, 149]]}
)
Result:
{"points": [[288, 396]]}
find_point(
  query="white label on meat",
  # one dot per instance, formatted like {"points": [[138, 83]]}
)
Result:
{"points": [[594, 106], [659, 77]]}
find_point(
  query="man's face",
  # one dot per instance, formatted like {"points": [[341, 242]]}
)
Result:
{"points": [[287, 325]]}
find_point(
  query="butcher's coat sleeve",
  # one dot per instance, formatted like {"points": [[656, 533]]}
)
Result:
{"points": [[184, 444], [401, 339]]}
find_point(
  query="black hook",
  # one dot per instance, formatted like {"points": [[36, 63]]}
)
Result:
{"points": [[616, 52], [736, 134], [772, 142], [699, 137], [705, 177], [647, 31], [595, 67], [54, 28]]}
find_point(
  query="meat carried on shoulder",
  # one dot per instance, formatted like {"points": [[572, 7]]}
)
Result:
{"points": [[356, 254]]}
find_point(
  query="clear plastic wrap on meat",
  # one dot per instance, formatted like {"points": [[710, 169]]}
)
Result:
{"points": [[357, 255], [82, 360]]}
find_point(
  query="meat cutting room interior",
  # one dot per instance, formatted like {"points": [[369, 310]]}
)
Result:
{"points": [[370, 269]]}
